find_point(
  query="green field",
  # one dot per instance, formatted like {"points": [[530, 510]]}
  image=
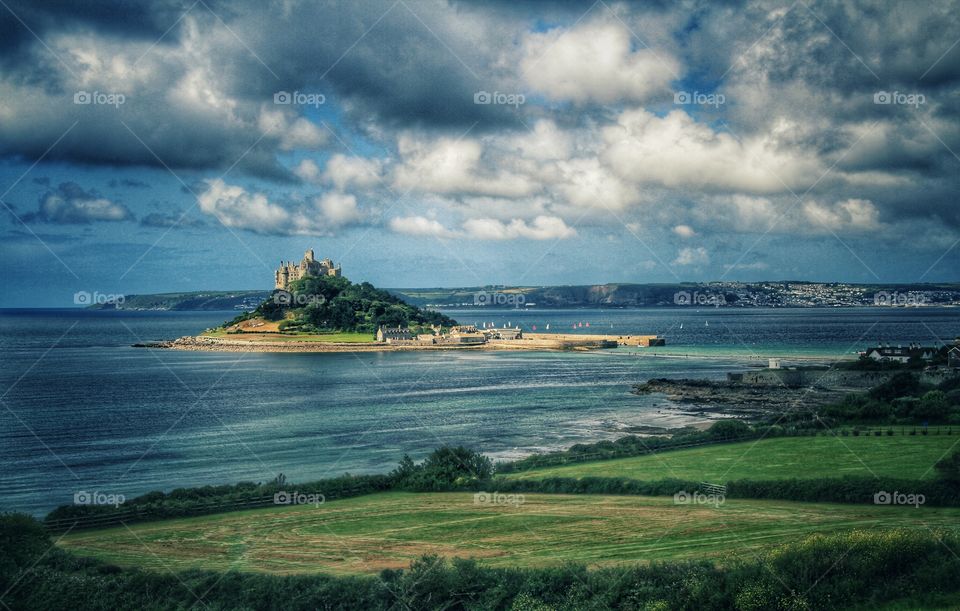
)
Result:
{"points": [[901, 456], [388, 530], [342, 338]]}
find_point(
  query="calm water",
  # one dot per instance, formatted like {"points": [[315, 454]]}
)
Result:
{"points": [[82, 410]]}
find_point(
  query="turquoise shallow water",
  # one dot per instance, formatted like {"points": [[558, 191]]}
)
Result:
{"points": [[82, 410]]}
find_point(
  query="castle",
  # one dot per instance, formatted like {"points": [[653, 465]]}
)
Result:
{"points": [[309, 266]]}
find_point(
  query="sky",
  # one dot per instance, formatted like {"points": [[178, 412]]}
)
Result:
{"points": [[173, 145]]}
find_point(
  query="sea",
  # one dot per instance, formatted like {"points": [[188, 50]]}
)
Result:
{"points": [[82, 410]]}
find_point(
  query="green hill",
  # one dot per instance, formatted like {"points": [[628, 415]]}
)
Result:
{"points": [[324, 304]]}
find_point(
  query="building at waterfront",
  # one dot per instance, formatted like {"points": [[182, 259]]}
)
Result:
{"points": [[309, 266]]}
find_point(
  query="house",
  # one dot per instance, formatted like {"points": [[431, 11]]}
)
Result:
{"points": [[953, 357], [900, 354], [464, 334], [427, 338], [393, 334], [506, 333]]}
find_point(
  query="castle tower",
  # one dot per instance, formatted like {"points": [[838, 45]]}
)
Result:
{"points": [[289, 271]]}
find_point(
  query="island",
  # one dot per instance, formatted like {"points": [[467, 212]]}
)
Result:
{"points": [[314, 308]]}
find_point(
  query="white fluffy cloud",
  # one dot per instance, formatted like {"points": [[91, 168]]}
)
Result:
{"points": [[236, 207], [70, 204], [676, 151], [692, 256], [419, 226], [344, 172], [339, 208], [594, 62], [453, 167], [295, 133], [684, 231], [850, 215], [541, 228]]}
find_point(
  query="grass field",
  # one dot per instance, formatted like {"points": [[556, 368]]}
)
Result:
{"points": [[342, 338], [903, 456], [370, 533]]}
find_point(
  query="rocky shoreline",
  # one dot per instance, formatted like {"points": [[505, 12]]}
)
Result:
{"points": [[263, 344], [707, 397]]}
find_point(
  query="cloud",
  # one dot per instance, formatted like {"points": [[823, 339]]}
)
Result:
{"points": [[453, 167], [293, 133], [692, 256], [71, 204], [594, 62], [339, 209], [307, 170], [542, 228], [420, 226], [234, 207], [344, 172], [684, 231], [857, 215], [677, 151]]}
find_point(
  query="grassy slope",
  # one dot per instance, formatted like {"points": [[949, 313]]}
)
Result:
{"points": [[348, 338], [908, 457], [367, 534]]}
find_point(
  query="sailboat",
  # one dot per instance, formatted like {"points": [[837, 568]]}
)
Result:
{"points": [[548, 326], [681, 325], [706, 323]]}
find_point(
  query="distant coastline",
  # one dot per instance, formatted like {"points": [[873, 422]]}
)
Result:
{"points": [[613, 295]]}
